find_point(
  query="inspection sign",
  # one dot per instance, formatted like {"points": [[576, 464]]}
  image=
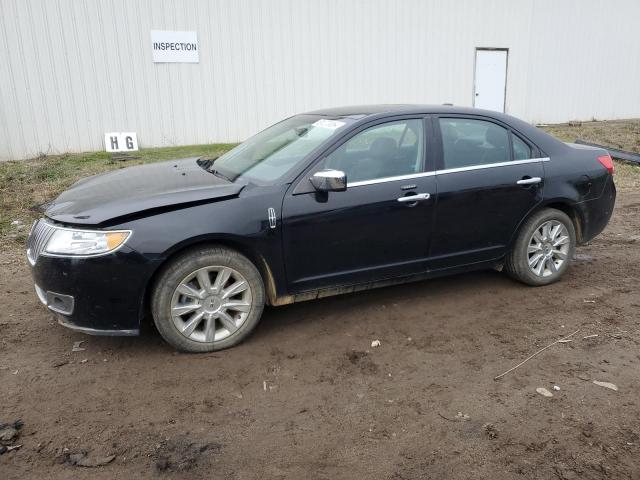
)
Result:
{"points": [[174, 47]]}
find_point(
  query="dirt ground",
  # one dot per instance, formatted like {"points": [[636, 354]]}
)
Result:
{"points": [[308, 397]]}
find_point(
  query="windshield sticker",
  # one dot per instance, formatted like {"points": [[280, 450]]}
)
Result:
{"points": [[330, 124]]}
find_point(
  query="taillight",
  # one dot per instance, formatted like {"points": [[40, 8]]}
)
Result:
{"points": [[606, 162]]}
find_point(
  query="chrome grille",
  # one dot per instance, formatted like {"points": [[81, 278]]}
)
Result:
{"points": [[37, 241]]}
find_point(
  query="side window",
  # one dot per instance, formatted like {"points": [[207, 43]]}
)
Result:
{"points": [[468, 142], [386, 150], [521, 151]]}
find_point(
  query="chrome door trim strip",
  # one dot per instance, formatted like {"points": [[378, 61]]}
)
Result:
{"points": [[390, 179], [492, 165], [445, 171]]}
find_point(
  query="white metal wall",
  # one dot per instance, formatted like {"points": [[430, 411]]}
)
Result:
{"points": [[71, 70]]}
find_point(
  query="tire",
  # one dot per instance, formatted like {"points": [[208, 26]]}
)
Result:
{"points": [[517, 264], [194, 317]]}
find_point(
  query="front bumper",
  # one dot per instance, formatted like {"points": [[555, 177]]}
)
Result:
{"points": [[95, 331], [95, 295], [56, 302]]}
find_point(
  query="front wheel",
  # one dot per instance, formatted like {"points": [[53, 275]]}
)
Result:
{"points": [[207, 299], [543, 249]]}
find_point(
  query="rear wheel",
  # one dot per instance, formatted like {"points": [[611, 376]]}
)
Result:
{"points": [[543, 249], [207, 299]]}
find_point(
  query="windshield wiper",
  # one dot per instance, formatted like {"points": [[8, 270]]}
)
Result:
{"points": [[218, 173], [207, 164]]}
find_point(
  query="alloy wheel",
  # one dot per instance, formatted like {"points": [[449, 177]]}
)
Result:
{"points": [[548, 248], [211, 304]]}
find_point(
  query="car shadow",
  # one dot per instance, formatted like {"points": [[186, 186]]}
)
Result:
{"points": [[329, 312], [333, 310]]}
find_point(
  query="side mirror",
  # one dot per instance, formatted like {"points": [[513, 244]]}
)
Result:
{"points": [[329, 181]]}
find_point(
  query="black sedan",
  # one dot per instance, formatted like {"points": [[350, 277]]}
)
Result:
{"points": [[323, 203]]}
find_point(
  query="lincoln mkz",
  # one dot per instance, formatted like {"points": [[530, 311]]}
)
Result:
{"points": [[327, 202]]}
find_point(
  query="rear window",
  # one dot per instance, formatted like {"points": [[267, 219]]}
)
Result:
{"points": [[521, 151], [467, 142]]}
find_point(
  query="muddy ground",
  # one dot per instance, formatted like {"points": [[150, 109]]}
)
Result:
{"points": [[308, 397]]}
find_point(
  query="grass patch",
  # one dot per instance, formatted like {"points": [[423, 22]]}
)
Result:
{"points": [[25, 184], [620, 134]]}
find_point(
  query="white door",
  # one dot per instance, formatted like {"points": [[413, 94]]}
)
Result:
{"points": [[490, 80]]}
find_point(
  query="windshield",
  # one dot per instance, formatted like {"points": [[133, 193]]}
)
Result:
{"points": [[272, 153]]}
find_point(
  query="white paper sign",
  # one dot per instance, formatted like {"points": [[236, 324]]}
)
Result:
{"points": [[174, 47], [121, 142], [330, 124]]}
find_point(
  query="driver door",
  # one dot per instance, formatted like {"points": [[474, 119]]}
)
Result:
{"points": [[371, 231]]}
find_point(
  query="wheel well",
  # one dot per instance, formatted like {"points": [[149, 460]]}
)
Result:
{"points": [[258, 261], [572, 213]]}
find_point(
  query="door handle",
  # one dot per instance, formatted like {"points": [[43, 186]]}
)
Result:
{"points": [[415, 198], [529, 181]]}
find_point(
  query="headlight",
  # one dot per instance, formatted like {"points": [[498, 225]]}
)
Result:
{"points": [[67, 241]]}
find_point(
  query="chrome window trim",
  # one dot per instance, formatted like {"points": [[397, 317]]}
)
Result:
{"points": [[492, 165], [446, 171], [389, 179]]}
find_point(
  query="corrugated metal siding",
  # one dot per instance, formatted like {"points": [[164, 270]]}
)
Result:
{"points": [[72, 70]]}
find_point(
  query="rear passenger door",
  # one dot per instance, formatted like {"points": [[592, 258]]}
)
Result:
{"points": [[488, 179]]}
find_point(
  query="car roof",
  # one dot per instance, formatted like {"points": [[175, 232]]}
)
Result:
{"points": [[362, 112], [398, 109]]}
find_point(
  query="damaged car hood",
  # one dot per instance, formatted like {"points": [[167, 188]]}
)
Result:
{"points": [[98, 199]]}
